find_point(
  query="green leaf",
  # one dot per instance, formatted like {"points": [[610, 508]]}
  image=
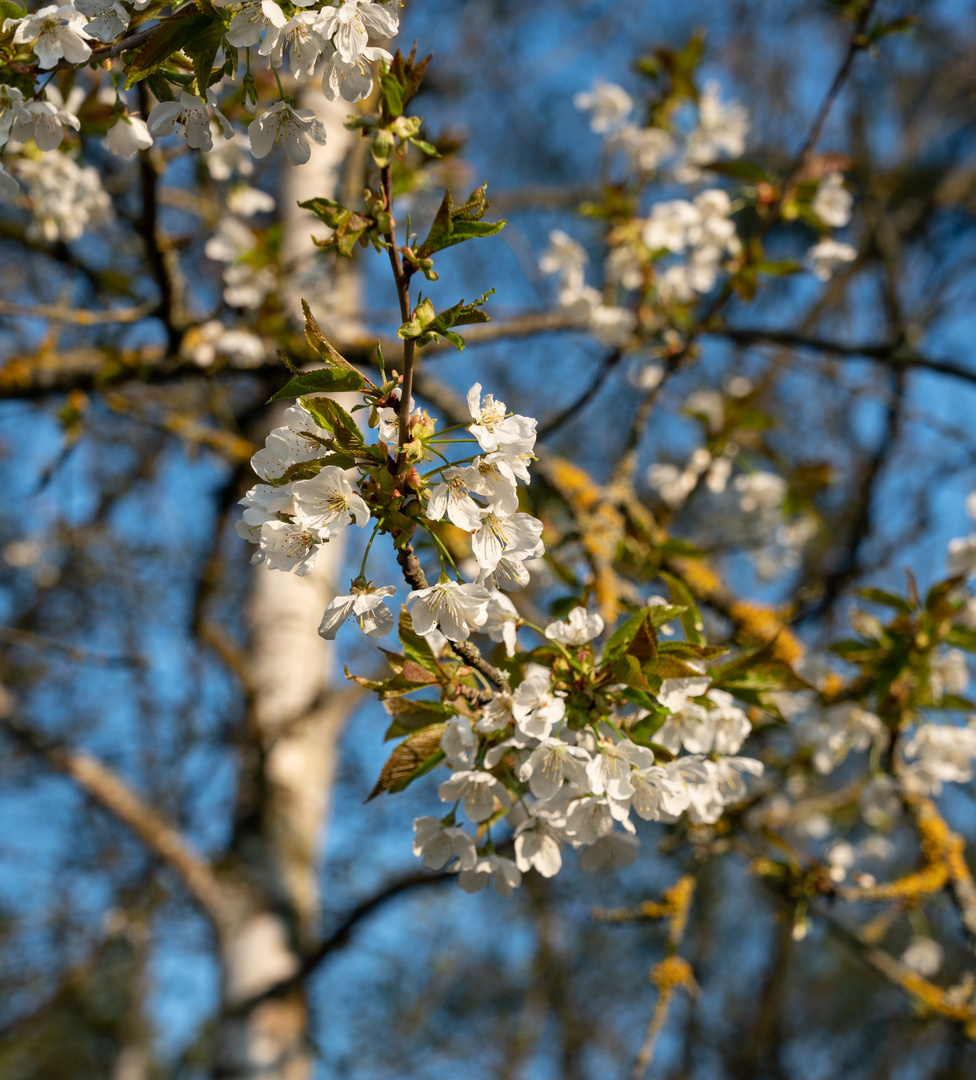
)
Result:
{"points": [[669, 667], [9, 10], [647, 727], [318, 341], [392, 93], [777, 267], [739, 170], [687, 650], [320, 381], [627, 669], [426, 327], [623, 635], [955, 701], [879, 596], [347, 226], [417, 754], [691, 619], [172, 35], [409, 715], [758, 669], [641, 698], [408, 73], [160, 87], [426, 147], [333, 417], [415, 646], [855, 652], [305, 470], [455, 225], [202, 50], [962, 637], [662, 614]]}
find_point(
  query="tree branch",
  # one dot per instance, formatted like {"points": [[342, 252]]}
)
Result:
{"points": [[111, 792], [340, 936], [895, 354]]}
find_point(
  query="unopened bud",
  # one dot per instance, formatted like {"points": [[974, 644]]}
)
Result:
{"points": [[249, 94]]}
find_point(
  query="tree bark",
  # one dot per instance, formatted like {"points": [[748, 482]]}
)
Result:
{"points": [[294, 720]]}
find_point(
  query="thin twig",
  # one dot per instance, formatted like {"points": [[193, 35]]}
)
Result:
{"points": [[12, 636], [57, 313], [340, 936]]}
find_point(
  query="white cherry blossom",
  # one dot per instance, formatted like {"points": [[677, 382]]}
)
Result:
{"points": [[827, 256], [299, 37], [288, 445], [564, 257], [128, 135], [479, 790], [352, 23], [453, 608], [45, 123], [106, 18], [66, 199], [494, 429], [12, 110], [550, 764], [642, 148], [833, 202], [613, 847], [609, 105], [502, 622], [536, 707], [578, 628], [494, 478], [675, 693], [351, 80], [459, 743], [289, 546], [190, 116], [518, 537], [669, 224], [502, 873], [510, 575], [496, 715], [292, 128], [252, 20], [437, 843], [366, 605], [537, 846], [328, 501], [8, 185], [54, 32], [962, 556], [450, 499]]}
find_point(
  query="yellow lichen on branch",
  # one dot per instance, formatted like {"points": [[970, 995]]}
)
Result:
{"points": [[943, 859]]}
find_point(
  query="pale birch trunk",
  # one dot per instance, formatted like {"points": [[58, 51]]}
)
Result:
{"points": [[296, 717]]}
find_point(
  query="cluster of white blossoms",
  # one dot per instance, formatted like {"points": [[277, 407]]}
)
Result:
{"points": [[66, 198], [748, 508], [719, 130], [610, 325], [832, 204], [578, 787], [700, 233], [686, 241], [337, 34], [517, 752], [289, 521]]}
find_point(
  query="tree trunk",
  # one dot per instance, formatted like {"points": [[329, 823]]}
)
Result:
{"points": [[294, 722]]}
